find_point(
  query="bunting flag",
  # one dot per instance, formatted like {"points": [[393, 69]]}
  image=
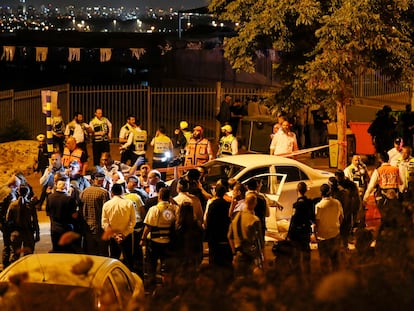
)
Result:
{"points": [[41, 54], [137, 52], [74, 54], [8, 53], [106, 54]]}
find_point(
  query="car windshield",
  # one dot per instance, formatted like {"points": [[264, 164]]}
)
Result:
{"points": [[217, 169], [42, 296]]}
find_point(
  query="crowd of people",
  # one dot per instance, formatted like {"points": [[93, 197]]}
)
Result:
{"points": [[126, 210]]}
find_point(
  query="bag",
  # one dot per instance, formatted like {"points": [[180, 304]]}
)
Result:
{"points": [[249, 249]]}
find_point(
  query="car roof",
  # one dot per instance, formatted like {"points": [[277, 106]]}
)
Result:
{"points": [[252, 160], [56, 268]]}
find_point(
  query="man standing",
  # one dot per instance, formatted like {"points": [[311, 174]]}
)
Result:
{"points": [[395, 153], [118, 221], [47, 181], [198, 150], [79, 131], [136, 144], [284, 142], [183, 188], [102, 134], [329, 215], [58, 131], [228, 143], [405, 166], [224, 114], [73, 152], [163, 150], [126, 129], [93, 199], [387, 177], [62, 210], [245, 234]]}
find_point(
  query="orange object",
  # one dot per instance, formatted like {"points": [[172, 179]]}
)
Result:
{"points": [[363, 139]]}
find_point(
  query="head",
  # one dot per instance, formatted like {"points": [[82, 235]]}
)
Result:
{"points": [[203, 172], [162, 130], [223, 182], [183, 185], [398, 143], [252, 184], [41, 138], [251, 201], [98, 113], [71, 143], [383, 157], [62, 183], [198, 132], [98, 178], [117, 178], [220, 191], [237, 102], [333, 182], [239, 191], [144, 169], [132, 182], [23, 191], [58, 112], [193, 174], [78, 117], [164, 194], [286, 126], [227, 98], [131, 120], [56, 160], [106, 159], [339, 175], [227, 129], [325, 190], [14, 182], [74, 168], [302, 188], [356, 160], [154, 176], [117, 189], [406, 152], [184, 125]]}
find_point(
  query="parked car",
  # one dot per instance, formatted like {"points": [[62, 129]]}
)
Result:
{"points": [[279, 176], [56, 281]]}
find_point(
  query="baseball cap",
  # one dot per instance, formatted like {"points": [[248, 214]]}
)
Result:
{"points": [[41, 137], [227, 128], [183, 125], [398, 140]]}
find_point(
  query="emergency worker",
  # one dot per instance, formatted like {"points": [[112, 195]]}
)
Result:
{"points": [[228, 143], [102, 134], [198, 150], [136, 144], [163, 150], [73, 153]]}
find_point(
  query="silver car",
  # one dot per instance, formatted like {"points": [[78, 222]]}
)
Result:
{"points": [[57, 281], [279, 176]]}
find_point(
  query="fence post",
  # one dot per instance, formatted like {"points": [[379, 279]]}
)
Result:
{"points": [[149, 110], [12, 104], [68, 100], [218, 101]]}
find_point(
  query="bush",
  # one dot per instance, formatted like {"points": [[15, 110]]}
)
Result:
{"points": [[14, 130]]}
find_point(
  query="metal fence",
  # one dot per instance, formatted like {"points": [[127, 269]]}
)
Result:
{"points": [[153, 107]]}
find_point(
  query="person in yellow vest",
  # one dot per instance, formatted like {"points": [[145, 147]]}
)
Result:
{"points": [[73, 153], [405, 165], [124, 133], [136, 144], [163, 150], [228, 143], [102, 134], [198, 150]]}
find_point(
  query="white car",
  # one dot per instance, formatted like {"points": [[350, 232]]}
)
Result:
{"points": [[58, 281], [280, 177]]}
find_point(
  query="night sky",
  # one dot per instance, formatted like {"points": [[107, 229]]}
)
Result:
{"points": [[164, 4]]}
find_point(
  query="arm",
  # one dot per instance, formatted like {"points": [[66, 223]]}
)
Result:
{"points": [[109, 124], [234, 146], [372, 183], [273, 144]]}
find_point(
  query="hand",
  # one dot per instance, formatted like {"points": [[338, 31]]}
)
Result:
{"points": [[37, 237]]}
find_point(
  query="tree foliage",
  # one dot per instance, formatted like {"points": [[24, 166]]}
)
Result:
{"points": [[323, 45]]}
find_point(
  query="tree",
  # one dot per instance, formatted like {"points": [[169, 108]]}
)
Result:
{"points": [[324, 46]]}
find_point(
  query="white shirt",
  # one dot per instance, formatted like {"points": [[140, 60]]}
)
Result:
{"points": [[78, 131], [283, 143], [194, 201], [393, 154], [119, 214]]}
